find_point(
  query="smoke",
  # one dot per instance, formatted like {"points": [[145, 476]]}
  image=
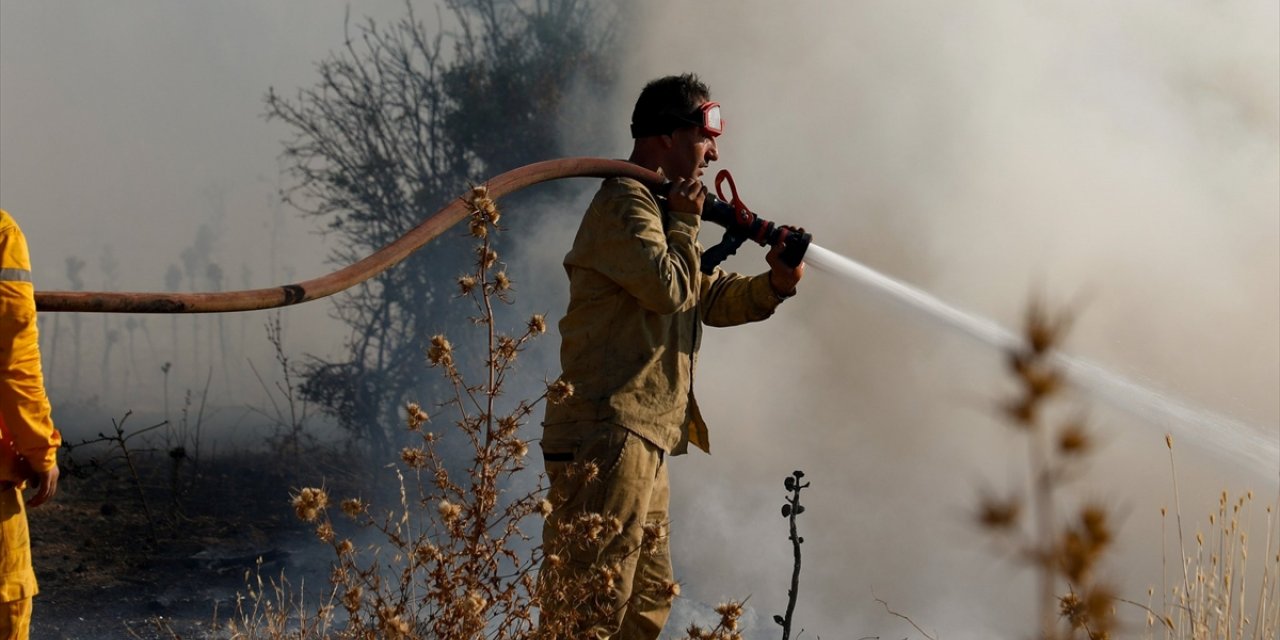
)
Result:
{"points": [[140, 127], [1122, 160]]}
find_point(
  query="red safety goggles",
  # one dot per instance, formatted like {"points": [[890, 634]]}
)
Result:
{"points": [[711, 124], [706, 117]]}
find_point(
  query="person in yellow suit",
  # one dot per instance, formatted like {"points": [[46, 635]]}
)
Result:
{"points": [[28, 440]]}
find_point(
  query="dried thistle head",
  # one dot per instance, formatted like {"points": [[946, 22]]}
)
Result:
{"points": [[999, 514], [559, 391], [1022, 412], [486, 256], [476, 602], [537, 324], [415, 416], [507, 347], [353, 507], [1093, 519], [654, 534], [1043, 330], [729, 612], [466, 284], [517, 449], [440, 353], [482, 205], [415, 457], [425, 552], [309, 502], [1037, 376], [391, 624], [1093, 610], [1074, 439], [325, 532], [501, 282], [449, 512], [507, 426], [352, 598]]}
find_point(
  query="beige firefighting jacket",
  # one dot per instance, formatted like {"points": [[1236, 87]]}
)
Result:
{"points": [[637, 300], [28, 441]]}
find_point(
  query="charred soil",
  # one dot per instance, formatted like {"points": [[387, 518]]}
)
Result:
{"points": [[164, 556]]}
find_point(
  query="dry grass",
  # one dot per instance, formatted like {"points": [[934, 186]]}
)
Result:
{"points": [[1210, 596]]}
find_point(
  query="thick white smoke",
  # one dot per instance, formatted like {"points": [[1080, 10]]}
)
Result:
{"points": [[1120, 158]]}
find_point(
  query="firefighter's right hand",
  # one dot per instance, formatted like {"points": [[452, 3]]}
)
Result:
{"points": [[686, 196]]}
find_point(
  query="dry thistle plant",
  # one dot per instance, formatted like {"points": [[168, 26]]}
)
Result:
{"points": [[726, 629], [1064, 551], [454, 561], [1210, 596]]}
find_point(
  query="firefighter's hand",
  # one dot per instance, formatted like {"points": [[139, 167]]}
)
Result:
{"points": [[686, 196], [48, 485], [783, 277]]}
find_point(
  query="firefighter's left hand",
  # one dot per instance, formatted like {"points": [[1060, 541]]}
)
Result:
{"points": [[783, 278], [48, 486]]}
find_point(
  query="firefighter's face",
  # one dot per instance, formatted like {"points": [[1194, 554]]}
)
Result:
{"points": [[692, 150]]}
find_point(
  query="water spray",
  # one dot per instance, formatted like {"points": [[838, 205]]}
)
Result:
{"points": [[1208, 429], [1230, 438]]}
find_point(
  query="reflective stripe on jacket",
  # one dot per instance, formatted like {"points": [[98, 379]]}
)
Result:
{"points": [[637, 300], [28, 441]]}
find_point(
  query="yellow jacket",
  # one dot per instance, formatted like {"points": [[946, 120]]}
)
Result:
{"points": [[637, 300], [28, 441]]}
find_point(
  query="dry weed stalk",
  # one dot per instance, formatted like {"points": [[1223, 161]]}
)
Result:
{"points": [[1073, 602], [454, 561], [1212, 599]]}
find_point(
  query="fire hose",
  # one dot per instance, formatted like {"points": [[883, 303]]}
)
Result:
{"points": [[740, 223], [1210, 428]]}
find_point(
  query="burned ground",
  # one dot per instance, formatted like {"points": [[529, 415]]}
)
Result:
{"points": [[107, 570]]}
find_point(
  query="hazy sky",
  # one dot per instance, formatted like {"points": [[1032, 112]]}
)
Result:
{"points": [[1126, 156]]}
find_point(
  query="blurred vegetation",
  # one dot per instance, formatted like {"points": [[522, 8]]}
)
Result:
{"points": [[404, 118]]}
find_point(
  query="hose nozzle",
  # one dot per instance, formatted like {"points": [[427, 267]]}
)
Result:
{"points": [[741, 224]]}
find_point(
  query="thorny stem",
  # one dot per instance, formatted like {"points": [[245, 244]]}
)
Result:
{"points": [[793, 501]]}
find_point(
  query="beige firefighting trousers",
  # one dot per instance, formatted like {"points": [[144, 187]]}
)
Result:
{"points": [[607, 571]]}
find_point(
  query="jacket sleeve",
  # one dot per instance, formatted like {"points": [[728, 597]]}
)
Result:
{"points": [[24, 407], [729, 299], [657, 266]]}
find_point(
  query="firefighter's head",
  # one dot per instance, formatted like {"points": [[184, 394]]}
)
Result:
{"points": [[675, 125]]}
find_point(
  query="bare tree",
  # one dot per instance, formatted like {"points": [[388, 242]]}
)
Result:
{"points": [[403, 118]]}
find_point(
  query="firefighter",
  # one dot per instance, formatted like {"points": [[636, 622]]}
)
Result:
{"points": [[630, 336], [28, 440]]}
